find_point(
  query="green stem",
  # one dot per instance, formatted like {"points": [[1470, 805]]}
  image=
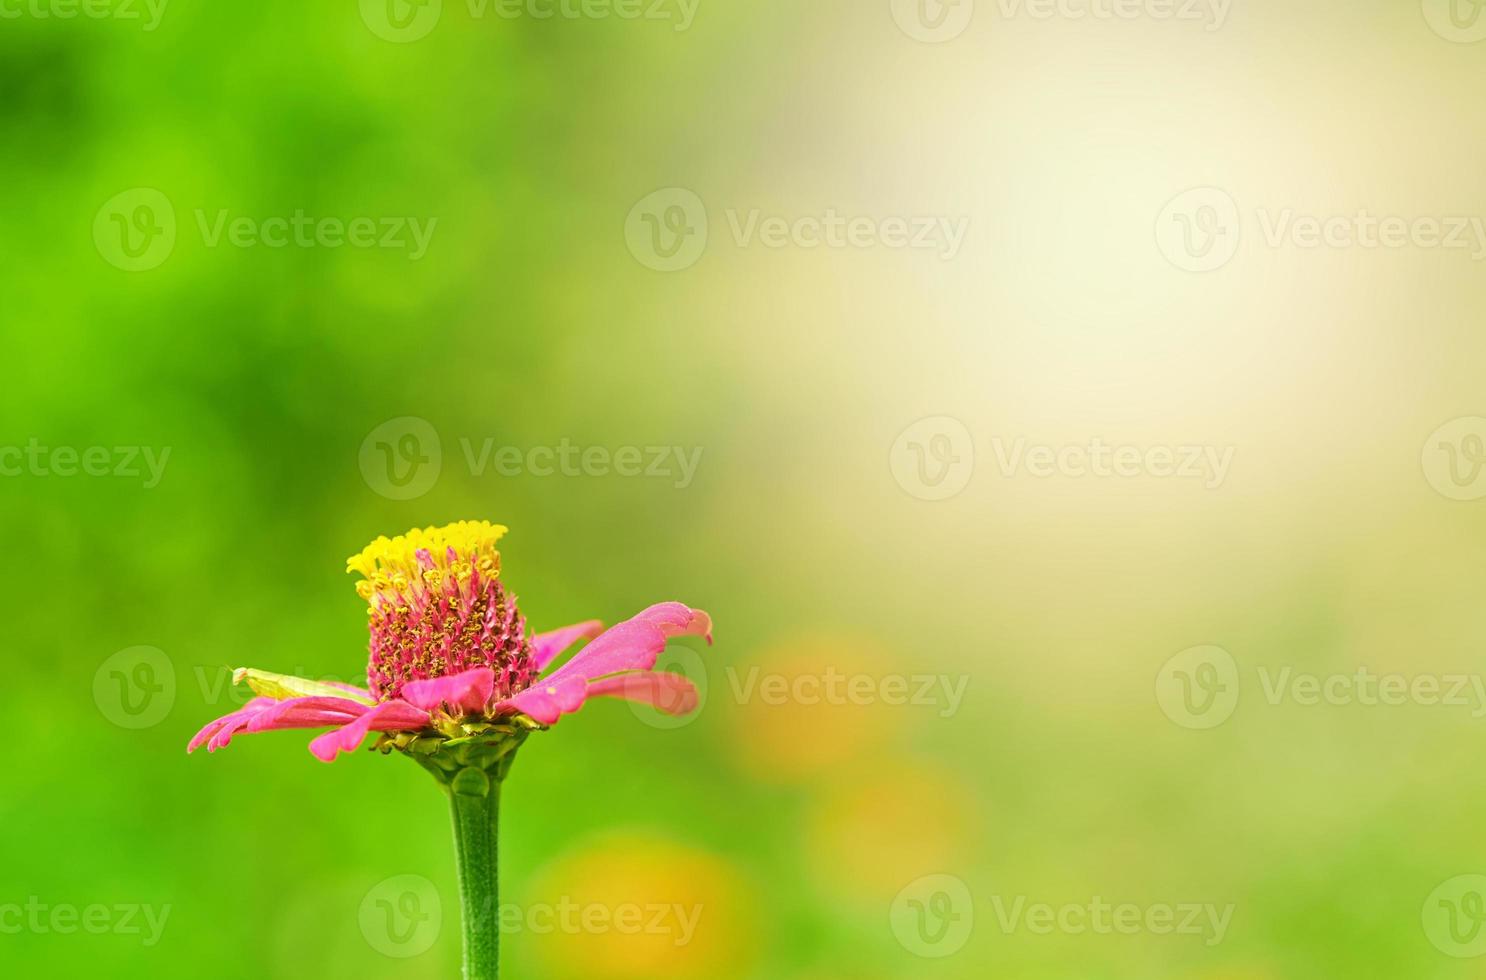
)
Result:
{"points": [[475, 798]]}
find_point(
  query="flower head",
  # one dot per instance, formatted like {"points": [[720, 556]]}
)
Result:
{"points": [[437, 607], [452, 669]]}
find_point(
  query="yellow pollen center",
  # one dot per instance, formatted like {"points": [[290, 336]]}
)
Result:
{"points": [[392, 566]]}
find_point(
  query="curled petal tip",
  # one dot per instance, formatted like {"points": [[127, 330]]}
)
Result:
{"points": [[704, 622]]}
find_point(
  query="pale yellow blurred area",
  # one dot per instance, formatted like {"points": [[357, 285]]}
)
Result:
{"points": [[632, 905], [887, 822], [1317, 374], [768, 723]]}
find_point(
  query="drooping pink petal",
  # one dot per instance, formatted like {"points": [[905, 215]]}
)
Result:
{"points": [[546, 647], [228, 724], [546, 700], [669, 693], [308, 712], [467, 692], [267, 714], [636, 643], [389, 716]]}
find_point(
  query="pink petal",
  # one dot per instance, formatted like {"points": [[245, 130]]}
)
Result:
{"points": [[389, 716], [467, 692], [228, 724], [546, 700], [546, 647], [266, 714], [669, 693], [636, 643], [308, 712]]}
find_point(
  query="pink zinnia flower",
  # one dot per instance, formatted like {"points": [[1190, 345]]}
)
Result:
{"points": [[451, 658], [455, 682]]}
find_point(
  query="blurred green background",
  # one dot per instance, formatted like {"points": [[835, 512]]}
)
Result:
{"points": [[299, 399]]}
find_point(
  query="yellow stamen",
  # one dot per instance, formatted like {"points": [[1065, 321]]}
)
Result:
{"points": [[391, 564]]}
